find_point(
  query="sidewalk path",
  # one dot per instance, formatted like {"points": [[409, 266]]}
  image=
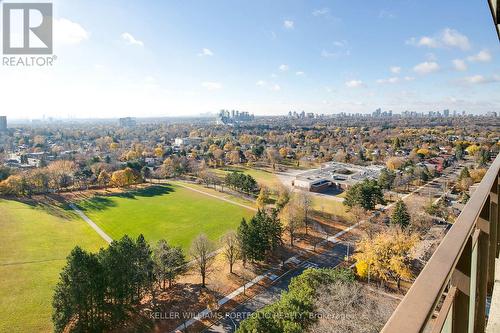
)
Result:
{"points": [[91, 223], [269, 274]]}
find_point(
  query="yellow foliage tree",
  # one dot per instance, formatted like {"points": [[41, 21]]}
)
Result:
{"points": [[125, 177], [387, 255], [361, 269], [263, 198], [283, 152], [394, 163], [423, 151], [472, 150]]}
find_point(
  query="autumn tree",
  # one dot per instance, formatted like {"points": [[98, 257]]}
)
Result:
{"points": [[304, 203], [387, 255], [125, 177], [230, 248], [104, 178], [292, 217], [264, 197], [201, 251], [283, 197]]}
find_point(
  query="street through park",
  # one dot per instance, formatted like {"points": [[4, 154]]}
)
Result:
{"points": [[329, 259]]}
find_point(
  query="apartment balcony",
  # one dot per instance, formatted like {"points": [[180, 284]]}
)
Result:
{"points": [[454, 291], [495, 14]]}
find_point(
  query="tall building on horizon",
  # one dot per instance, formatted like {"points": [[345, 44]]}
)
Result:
{"points": [[3, 123]]}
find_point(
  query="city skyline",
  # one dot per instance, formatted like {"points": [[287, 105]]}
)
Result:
{"points": [[315, 56]]}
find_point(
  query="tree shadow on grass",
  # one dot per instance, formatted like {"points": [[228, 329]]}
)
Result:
{"points": [[150, 191], [100, 202], [50, 204], [96, 203]]}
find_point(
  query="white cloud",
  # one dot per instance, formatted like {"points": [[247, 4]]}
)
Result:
{"points": [[409, 78], [459, 65], [354, 83], [395, 69], [67, 32], [426, 67], [131, 40], [453, 38], [446, 38], [288, 24], [321, 12], [299, 73], [480, 79], [393, 79], [283, 68], [482, 56], [261, 83], [275, 87], [212, 86], [205, 53]]}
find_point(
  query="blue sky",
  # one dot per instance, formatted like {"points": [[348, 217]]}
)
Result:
{"points": [[171, 58]]}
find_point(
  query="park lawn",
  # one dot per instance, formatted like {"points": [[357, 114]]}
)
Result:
{"points": [[330, 206], [262, 177], [212, 191], [35, 242], [166, 212]]}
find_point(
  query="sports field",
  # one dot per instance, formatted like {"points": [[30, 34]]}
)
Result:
{"points": [[168, 211], [262, 177], [35, 242]]}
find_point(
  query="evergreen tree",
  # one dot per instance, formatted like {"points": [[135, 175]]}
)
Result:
{"points": [[464, 174], [260, 236], [80, 294], [144, 264], [386, 179], [400, 216], [365, 194], [459, 152], [169, 262]]}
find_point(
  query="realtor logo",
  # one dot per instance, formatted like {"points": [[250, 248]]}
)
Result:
{"points": [[27, 28]]}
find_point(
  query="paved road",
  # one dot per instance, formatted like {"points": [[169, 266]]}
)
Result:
{"points": [[328, 259]]}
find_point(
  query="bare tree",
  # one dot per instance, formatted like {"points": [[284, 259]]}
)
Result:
{"points": [[304, 201], [201, 251], [230, 249], [292, 217], [348, 307]]}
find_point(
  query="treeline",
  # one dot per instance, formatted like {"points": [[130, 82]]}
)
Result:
{"points": [[67, 175], [102, 291], [260, 236], [241, 182]]}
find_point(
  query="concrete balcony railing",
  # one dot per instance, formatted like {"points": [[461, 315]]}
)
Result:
{"points": [[451, 292]]}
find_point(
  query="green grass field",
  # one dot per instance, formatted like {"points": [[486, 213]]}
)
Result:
{"points": [[262, 177], [35, 242], [326, 205], [171, 212]]}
